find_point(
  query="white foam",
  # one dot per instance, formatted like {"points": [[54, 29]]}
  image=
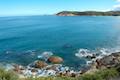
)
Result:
{"points": [[105, 52], [89, 62], [83, 53], [45, 55], [9, 67], [100, 53]]}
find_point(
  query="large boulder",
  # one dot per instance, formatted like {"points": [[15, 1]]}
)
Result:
{"points": [[109, 61], [55, 59], [40, 64], [117, 54]]}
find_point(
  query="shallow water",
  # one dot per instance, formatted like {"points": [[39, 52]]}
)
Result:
{"points": [[23, 38]]}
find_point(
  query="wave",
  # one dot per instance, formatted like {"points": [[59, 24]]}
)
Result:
{"points": [[45, 55], [83, 53], [98, 53], [87, 55]]}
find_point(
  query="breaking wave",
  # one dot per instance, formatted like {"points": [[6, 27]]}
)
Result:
{"points": [[45, 55], [83, 53], [98, 53]]}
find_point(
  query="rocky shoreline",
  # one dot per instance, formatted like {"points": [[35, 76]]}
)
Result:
{"points": [[52, 66]]}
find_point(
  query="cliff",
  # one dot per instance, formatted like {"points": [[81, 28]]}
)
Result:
{"points": [[88, 13]]}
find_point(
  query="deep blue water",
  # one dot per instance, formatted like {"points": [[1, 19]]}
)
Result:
{"points": [[63, 36]]}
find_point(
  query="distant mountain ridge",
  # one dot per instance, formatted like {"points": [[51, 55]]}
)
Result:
{"points": [[88, 13]]}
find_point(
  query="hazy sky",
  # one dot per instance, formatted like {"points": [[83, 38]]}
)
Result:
{"points": [[36, 7]]}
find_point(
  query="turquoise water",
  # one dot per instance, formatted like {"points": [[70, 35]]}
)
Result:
{"points": [[23, 38]]}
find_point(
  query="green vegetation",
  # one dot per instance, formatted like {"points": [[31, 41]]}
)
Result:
{"points": [[108, 73], [105, 74], [7, 75], [91, 77], [52, 78], [101, 75], [88, 13]]}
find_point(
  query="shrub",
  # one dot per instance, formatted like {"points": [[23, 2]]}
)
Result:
{"points": [[7, 75], [91, 77], [105, 74], [52, 78], [108, 73]]}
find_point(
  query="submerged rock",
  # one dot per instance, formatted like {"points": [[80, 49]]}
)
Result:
{"points": [[55, 59], [65, 46]]}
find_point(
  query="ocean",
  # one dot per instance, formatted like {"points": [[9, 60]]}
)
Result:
{"points": [[24, 38]]}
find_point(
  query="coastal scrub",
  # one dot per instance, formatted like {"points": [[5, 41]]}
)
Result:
{"points": [[7, 75]]}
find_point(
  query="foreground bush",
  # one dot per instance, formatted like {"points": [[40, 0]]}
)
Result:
{"points": [[91, 77], [99, 75], [7, 75], [52, 78], [106, 74]]}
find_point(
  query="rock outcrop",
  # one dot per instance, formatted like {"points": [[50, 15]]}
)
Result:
{"points": [[108, 61], [40, 64]]}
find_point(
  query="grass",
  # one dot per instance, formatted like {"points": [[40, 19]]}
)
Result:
{"points": [[108, 73], [105, 74], [7, 75], [52, 78]]}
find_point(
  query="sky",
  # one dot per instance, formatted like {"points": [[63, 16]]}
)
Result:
{"points": [[42, 7]]}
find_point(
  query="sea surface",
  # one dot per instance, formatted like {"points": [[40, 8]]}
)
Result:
{"points": [[24, 38]]}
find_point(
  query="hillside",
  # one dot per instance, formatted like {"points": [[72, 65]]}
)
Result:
{"points": [[88, 13]]}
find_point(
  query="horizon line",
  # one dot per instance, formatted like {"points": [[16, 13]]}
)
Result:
{"points": [[18, 15]]}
